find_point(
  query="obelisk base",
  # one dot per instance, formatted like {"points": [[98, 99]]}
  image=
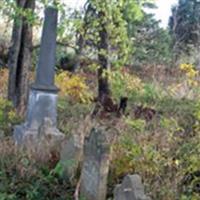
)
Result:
{"points": [[41, 117]]}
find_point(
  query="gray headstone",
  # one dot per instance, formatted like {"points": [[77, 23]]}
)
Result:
{"points": [[71, 156], [95, 166], [130, 189], [42, 103]]}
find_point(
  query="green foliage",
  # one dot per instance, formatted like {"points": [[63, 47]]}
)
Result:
{"points": [[106, 15], [8, 116], [14, 12], [150, 94], [184, 26], [152, 44], [165, 151], [136, 125], [124, 84], [22, 177], [73, 86], [71, 114]]}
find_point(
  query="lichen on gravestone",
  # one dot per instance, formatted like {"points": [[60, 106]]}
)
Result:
{"points": [[95, 166]]}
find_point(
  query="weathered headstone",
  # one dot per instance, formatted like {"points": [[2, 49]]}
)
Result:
{"points": [[95, 168], [43, 93], [70, 157], [130, 189], [71, 154]]}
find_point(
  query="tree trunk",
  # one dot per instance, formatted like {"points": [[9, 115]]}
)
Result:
{"points": [[198, 47], [80, 44], [80, 41], [103, 48], [19, 59]]}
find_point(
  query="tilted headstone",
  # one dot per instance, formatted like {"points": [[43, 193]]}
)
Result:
{"points": [[95, 168], [42, 101], [130, 189]]}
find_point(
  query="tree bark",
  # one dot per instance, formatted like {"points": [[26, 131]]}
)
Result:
{"points": [[80, 43], [19, 59], [103, 51]]}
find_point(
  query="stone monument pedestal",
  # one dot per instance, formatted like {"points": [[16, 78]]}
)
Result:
{"points": [[41, 106]]}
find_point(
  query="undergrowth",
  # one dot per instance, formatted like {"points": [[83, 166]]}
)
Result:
{"points": [[22, 177], [162, 147]]}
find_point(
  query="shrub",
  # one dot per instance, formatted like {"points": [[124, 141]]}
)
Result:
{"points": [[8, 116], [23, 177], [188, 87], [190, 73], [164, 151], [73, 86], [124, 84], [71, 115]]}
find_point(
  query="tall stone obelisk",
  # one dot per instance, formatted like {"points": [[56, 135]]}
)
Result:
{"points": [[42, 103]]}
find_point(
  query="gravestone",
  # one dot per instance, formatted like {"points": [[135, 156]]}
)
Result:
{"points": [[71, 156], [95, 168], [130, 189], [42, 101]]}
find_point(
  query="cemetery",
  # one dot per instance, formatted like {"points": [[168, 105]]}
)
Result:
{"points": [[100, 102]]}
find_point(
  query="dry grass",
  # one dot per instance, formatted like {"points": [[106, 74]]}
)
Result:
{"points": [[3, 82]]}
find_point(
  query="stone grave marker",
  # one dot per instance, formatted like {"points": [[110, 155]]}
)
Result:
{"points": [[93, 185], [42, 103], [130, 189], [70, 157]]}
